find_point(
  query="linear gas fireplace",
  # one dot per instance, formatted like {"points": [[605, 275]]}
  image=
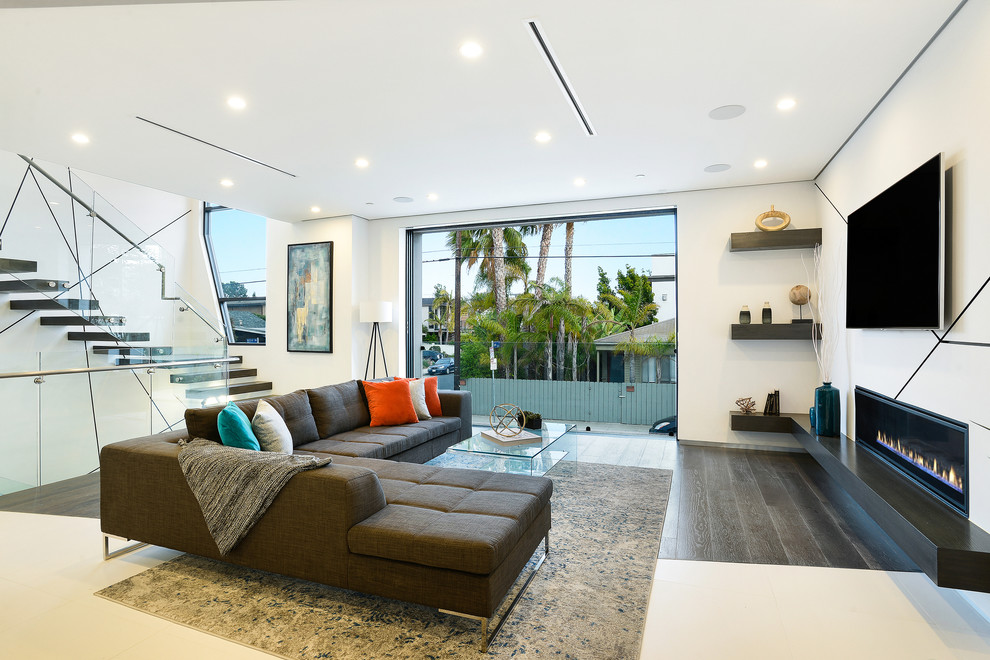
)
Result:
{"points": [[930, 449]]}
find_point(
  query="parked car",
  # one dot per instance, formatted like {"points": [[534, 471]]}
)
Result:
{"points": [[431, 356], [442, 366], [667, 425]]}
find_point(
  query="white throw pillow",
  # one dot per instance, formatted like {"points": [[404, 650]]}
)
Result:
{"points": [[270, 429], [417, 390]]}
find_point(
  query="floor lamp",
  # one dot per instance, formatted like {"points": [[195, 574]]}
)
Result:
{"points": [[375, 313]]}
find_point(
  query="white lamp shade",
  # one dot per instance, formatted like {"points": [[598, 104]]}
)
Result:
{"points": [[376, 312]]}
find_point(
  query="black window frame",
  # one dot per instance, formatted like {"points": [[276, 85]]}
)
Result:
{"points": [[222, 299]]}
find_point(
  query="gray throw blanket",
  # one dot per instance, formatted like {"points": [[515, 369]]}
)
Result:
{"points": [[234, 487]]}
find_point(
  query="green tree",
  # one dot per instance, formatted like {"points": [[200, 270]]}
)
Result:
{"points": [[234, 290], [634, 289], [443, 312]]}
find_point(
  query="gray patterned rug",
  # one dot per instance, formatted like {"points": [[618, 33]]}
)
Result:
{"points": [[587, 601]]}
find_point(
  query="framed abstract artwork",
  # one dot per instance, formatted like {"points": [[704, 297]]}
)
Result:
{"points": [[309, 298]]}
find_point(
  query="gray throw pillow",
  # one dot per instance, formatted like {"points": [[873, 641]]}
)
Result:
{"points": [[270, 429]]}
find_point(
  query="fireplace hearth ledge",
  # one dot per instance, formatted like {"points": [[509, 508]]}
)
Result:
{"points": [[951, 550]]}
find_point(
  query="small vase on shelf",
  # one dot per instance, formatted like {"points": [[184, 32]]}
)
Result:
{"points": [[767, 313], [744, 315], [827, 417]]}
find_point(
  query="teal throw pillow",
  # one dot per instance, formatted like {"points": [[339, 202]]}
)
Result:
{"points": [[235, 428]]}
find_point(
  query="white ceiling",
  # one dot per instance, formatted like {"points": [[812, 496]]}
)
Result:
{"points": [[329, 81]]}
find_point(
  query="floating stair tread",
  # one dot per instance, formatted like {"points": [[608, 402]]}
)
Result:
{"points": [[106, 336], [18, 266], [240, 388], [7, 286], [132, 350], [154, 360], [99, 321], [211, 375], [61, 303]]}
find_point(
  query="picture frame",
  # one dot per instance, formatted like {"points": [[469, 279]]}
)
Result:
{"points": [[309, 298]]}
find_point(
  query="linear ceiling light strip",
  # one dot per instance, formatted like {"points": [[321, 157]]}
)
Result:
{"points": [[561, 78], [210, 144]]}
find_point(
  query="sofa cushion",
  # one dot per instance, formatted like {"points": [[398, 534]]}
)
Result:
{"points": [[202, 422], [371, 442], [270, 429], [295, 409], [390, 403], [466, 520], [235, 428], [338, 408]]}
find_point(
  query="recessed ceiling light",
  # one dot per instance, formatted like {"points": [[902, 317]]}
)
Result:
{"points": [[226, 183], [471, 49], [579, 181], [402, 200], [237, 103], [80, 138], [786, 104], [717, 167], [640, 176], [542, 137], [362, 162], [760, 163], [369, 203], [433, 197], [314, 209], [727, 112]]}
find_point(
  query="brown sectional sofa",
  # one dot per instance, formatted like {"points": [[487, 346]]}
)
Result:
{"points": [[448, 538]]}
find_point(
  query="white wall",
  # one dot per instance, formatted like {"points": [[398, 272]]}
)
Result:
{"points": [[942, 104], [712, 286]]}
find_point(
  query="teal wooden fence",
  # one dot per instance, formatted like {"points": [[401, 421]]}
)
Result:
{"points": [[624, 403]]}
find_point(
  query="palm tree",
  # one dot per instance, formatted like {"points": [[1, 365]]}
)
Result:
{"points": [[630, 314], [568, 253], [443, 310], [500, 254], [541, 265]]}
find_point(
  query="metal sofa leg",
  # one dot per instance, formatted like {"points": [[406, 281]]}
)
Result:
{"points": [[123, 551], [486, 640]]}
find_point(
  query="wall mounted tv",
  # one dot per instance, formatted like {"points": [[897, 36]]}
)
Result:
{"points": [[895, 264]]}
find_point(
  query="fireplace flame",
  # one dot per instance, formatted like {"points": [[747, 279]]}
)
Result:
{"points": [[944, 474]]}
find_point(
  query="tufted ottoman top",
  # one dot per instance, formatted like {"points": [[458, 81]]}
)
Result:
{"points": [[465, 520]]}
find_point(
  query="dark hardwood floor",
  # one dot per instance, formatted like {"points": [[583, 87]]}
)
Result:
{"points": [[78, 497], [727, 505], [768, 508]]}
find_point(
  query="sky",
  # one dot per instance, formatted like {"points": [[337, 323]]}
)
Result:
{"points": [[611, 244], [239, 248]]}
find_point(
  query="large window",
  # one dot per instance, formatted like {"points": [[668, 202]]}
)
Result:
{"points": [[235, 242]]}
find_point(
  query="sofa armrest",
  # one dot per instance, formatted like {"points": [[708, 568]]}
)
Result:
{"points": [[457, 403]]}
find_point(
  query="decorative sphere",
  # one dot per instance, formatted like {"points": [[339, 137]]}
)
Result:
{"points": [[504, 419], [799, 295]]}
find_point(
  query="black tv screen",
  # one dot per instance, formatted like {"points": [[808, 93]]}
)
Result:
{"points": [[894, 255]]}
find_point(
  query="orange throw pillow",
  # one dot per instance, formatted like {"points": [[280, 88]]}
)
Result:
{"points": [[432, 397], [390, 403]]}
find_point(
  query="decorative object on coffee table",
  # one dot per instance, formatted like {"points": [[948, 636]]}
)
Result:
{"points": [[744, 316], [746, 405], [772, 220], [309, 297], [530, 420], [800, 295], [767, 313], [506, 420]]}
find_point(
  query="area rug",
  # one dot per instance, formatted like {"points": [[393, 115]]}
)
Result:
{"points": [[587, 601]]}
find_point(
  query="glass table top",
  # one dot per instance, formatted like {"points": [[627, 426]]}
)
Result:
{"points": [[549, 434]]}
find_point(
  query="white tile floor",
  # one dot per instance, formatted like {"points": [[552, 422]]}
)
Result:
{"points": [[51, 565]]}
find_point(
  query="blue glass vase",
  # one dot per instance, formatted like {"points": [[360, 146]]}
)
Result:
{"points": [[827, 417]]}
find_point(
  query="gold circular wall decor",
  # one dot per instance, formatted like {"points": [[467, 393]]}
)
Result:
{"points": [[763, 226], [504, 419]]}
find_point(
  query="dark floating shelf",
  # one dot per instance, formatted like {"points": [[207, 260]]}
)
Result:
{"points": [[786, 239], [951, 550], [774, 330], [782, 423]]}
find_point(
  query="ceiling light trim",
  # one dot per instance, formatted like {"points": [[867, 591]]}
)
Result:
{"points": [[215, 146], [560, 76]]}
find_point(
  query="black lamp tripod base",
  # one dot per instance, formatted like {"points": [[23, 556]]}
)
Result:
{"points": [[376, 333]]}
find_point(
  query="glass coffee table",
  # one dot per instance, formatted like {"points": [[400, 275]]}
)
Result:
{"points": [[535, 457]]}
